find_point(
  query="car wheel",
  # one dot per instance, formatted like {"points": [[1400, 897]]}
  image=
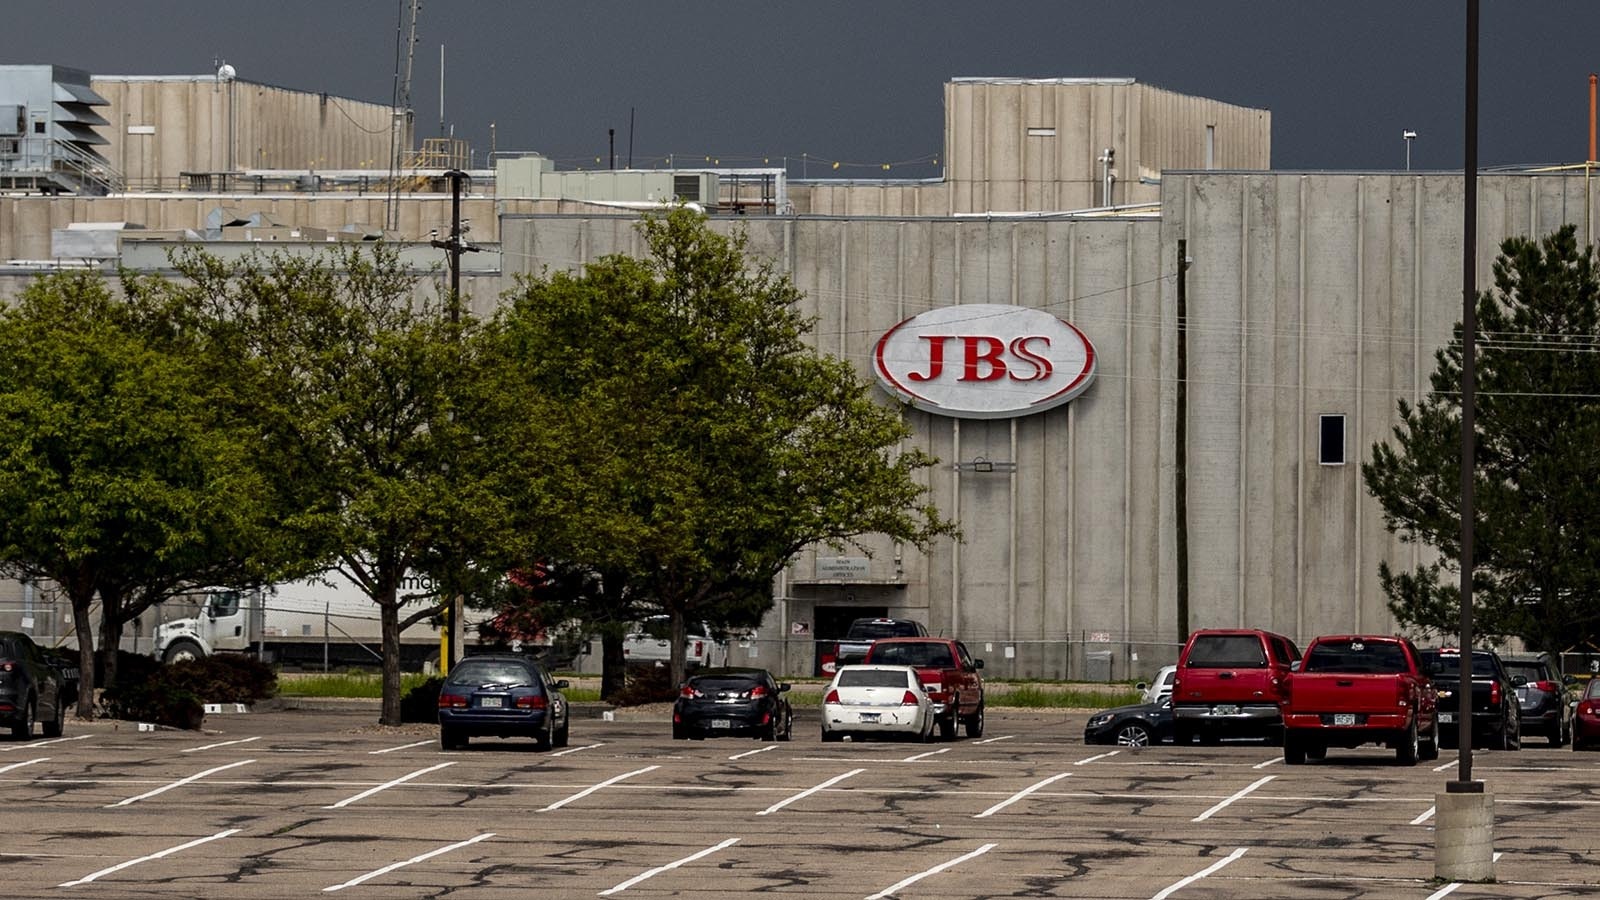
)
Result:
{"points": [[22, 729], [831, 737], [1134, 734], [1294, 752], [947, 725], [451, 739], [1408, 749], [545, 738], [1558, 735], [975, 722], [788, 726], [1430, 748], [54, 727], [768, 733], [679, 733], [1316, 752], [561, 736]]}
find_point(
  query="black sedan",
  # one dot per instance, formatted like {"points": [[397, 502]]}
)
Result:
{"points": [[732, 701], [501, 695], [1139, 725], [33, 688]]}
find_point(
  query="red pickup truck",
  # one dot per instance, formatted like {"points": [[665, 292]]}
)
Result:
{"points": [[1354, 689], [948, 673]]}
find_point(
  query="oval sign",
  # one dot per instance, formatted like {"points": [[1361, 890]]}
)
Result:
{"points": [[984, 361]]}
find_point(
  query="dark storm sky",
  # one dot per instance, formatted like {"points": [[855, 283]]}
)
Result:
{"points": [[859, 81]]}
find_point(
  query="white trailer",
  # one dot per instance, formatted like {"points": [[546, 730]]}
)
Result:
{"points": [[323, 622]]}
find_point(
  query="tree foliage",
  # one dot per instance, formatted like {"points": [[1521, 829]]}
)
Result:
{"points": [[698, 442], [1537, 480], [365, 400], [120, 474]]}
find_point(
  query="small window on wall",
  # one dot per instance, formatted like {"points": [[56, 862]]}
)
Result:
{"points": [[1330, 445]]}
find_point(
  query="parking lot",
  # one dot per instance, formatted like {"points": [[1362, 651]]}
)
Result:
{"points": [[313, 803]]}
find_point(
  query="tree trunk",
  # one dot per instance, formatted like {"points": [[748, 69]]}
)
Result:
{"points": [[82, 623], [389, 614], [110, 641], [680, 638], [613, 665]]}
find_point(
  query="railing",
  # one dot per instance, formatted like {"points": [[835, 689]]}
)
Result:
{"points": [[46, 163]]}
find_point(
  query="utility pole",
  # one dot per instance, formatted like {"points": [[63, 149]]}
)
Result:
{"points": [[454, 246], [1181, 439]]}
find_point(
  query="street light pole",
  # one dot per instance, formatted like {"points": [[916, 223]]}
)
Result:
{"points": [[1409, 136]]}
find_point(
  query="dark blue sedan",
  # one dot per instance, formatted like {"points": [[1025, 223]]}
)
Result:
{"points": [[501, 695], [1139, 725]]}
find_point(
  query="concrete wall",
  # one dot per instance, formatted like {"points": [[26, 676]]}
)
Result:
{"points": [[25, 222], [163, 126]]}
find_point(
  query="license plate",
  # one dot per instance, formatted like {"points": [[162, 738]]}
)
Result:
{"points": [[869, 717], [1226, 709], [1344, 718], [490, 702], [1447, 718], [721, 723]]}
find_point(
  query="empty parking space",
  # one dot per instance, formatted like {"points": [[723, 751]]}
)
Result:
{"points": [[282, 804]]}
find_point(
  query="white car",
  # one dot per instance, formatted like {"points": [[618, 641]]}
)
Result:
{"points": [[1160, 687], [869, 700]]}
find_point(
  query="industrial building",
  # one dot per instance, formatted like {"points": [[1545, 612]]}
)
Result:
{"points": [[1315, 302]]}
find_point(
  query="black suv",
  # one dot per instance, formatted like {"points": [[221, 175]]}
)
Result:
{"points": [[852, 648], [1544, 696]]}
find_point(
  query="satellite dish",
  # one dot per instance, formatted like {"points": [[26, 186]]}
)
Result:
{"points": [[226, 72]]}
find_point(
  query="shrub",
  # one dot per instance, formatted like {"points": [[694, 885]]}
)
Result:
{"points": [[421, 703], [646, 684], [175, 695]]}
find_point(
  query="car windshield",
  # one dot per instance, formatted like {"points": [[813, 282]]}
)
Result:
{"points": [[503, 673], [913, 654], [1234, 651], [1439, 662], [1592, 692], [887, 678], [1355, 658], [874, 630], [708, 683], [1530, 671]]}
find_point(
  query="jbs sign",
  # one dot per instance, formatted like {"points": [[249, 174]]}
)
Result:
{"points": [[984, 361]]}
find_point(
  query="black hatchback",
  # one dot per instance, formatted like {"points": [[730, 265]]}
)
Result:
{"points": [[501, 695], [732, 701]]}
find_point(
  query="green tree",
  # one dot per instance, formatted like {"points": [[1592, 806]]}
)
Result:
{"points": [[118, 476], [366, 401], [1537, 482], [698, 443]]}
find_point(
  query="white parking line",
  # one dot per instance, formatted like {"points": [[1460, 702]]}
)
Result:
{"points": [[576, 749], [754, 752], [400, 865], [21, 764], [1169, 890], [401, 747], [386, 785], [926, 755], [1003, 737], [589, 790], [60, 740], [1224, 804], [1443, 766], [1019, 795], [1093, 758], [891, 889], [223, 744], [134, 862], [1275, 759], [1444, 891], [179, 783], [809, 791], [1425, 816], [669, 866]]}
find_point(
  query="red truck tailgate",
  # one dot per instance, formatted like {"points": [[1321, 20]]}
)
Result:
{"points": [[1336, 693], [1197, 685]]}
